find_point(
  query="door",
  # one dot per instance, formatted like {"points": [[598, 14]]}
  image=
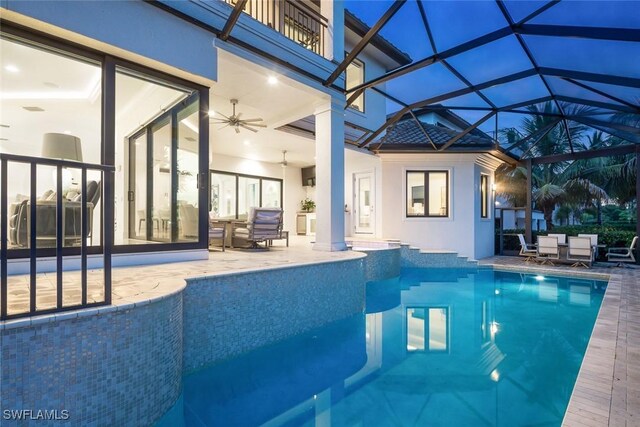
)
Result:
{"points": [[364, 202], [137, 193]]}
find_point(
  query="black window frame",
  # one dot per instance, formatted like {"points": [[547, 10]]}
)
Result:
{"points": [[243, 175], [108, 64], [426, 174], [484, 198]]}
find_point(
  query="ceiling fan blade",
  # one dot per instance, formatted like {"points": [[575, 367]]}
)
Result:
{"points": [[238, 116], [260, 125], [248, 128], [220, 114], [223, 126], [237, 130], [215, 121], [252, 120]]}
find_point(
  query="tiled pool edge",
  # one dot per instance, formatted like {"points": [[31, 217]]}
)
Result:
{"points": [[147, 308], [607, 390]]}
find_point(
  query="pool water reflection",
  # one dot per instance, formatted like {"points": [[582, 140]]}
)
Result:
{"points": [[436, 347]]}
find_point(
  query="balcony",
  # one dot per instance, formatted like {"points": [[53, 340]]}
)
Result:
{"points": [[295, 20]]}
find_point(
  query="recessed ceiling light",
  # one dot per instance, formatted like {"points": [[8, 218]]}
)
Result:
{"points": [[211, 113], [272, 80], [247, 142], [12, 68]]}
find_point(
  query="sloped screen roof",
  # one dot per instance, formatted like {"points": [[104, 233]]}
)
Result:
{"points": [[572, 65]]}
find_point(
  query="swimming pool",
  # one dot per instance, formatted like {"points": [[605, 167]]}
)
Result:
{"points": [[435, 347]]}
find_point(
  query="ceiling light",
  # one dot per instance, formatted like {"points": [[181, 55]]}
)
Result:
{"points": [[12, 68], [211, 113], [272, 80], [247, 142]]}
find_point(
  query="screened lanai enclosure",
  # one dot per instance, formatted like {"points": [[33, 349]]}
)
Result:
{"points": [[572, 68]]}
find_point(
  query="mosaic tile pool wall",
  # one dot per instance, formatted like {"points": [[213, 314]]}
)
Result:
{"points": [[119, 368], [229, 315], [381, 264]]}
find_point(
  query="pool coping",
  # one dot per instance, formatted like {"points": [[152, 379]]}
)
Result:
{"points": [[596, 398], [163, 289]]}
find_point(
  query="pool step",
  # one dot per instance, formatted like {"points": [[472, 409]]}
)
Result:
{"points": [[411, 256]]}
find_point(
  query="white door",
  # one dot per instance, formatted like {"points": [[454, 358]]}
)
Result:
{"points": [[364, 202]]}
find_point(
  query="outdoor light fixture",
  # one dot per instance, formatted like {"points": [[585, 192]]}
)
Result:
{"points": [[539, 278], [272, 80]]}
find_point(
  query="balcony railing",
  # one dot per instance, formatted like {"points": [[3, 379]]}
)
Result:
{"points": [[43, 226], [293, 19]]}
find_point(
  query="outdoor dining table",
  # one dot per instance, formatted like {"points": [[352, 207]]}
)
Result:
{"points": [[563, 249]]}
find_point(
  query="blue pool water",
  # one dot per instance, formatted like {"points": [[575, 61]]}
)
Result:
{"points": [[435, 348]]}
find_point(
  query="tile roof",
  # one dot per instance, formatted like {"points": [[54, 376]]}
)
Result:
{"points": [[408, 133]]}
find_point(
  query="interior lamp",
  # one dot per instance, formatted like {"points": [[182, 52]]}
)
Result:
{"points": [[61, 146], [65, 147]]}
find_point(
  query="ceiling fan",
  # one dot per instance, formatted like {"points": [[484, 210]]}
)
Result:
{"points": [[284, 162], [236, 122]]}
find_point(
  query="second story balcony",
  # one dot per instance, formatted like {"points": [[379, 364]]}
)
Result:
{"points": [[298, 20]]}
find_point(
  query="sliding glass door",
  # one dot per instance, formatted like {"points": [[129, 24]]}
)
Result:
{"points": [[163, 171]]}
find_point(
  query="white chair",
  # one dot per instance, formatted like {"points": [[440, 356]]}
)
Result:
{"points": [[562, 238], [622, 255], [580, 251], [547, 249], [526, 250], [594, 243]]}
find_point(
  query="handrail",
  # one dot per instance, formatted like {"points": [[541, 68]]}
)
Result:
{"points": [[26, 216], [293, 19]]}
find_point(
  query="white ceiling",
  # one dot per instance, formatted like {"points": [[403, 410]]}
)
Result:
{"points": [[68, 91], [278, 104]]}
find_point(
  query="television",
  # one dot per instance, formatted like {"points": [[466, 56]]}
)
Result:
{"points": [[309, 176]]}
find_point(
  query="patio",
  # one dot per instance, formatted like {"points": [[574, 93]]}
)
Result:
{"points": [[607, 391]]}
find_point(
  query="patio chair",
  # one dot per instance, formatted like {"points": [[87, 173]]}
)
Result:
{"points": [[262, 224], [562, 238], [580, 251], [594, 243], [217, 231], [526, 250], [547, 249], [621, 256]]}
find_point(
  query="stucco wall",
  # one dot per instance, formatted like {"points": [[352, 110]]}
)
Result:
{"points": [[356, 162], [462, 231]]}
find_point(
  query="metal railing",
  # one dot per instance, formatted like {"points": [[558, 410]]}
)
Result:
{"points": [[293, 19], [33, 210]]}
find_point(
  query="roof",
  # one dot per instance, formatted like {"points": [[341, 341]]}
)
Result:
{"points": [[352, 22], [407, 134], [572, 65]]}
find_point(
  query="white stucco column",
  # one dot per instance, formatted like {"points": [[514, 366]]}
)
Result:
{"points": [[333, 10], [330, 176]]}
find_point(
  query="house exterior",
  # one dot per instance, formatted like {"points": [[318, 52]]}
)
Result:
{"points": [[145, 120]]}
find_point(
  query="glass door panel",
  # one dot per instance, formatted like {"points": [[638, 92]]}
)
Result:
{"points": [[364, 195], [248, 195], [161, 185], [223, 196], [187, 170], [271, 193], [137, 198]]}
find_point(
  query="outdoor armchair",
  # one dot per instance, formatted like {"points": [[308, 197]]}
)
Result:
{"points": [[526, 250], [622, 255], [262, 224], [580, 251], [548, 249]]}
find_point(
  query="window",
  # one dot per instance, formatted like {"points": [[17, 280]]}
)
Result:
{"points": [[484, 196], [233, 195], [355, 77], [427, 329], [434, 202]]}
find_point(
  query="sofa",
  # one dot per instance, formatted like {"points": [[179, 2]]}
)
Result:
{"points": [[19, 213]]}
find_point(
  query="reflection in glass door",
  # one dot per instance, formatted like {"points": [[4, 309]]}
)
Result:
{"points": [[163, 171], [363, 192]]}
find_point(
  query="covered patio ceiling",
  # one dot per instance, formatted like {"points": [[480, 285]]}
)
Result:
{"points": [[573, 64]]}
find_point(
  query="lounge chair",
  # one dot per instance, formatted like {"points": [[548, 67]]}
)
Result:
{"points": [[217, 231], [562, 238], [622, 255], [526, 250], [547, 250], [262, 224], [580, 251]]}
